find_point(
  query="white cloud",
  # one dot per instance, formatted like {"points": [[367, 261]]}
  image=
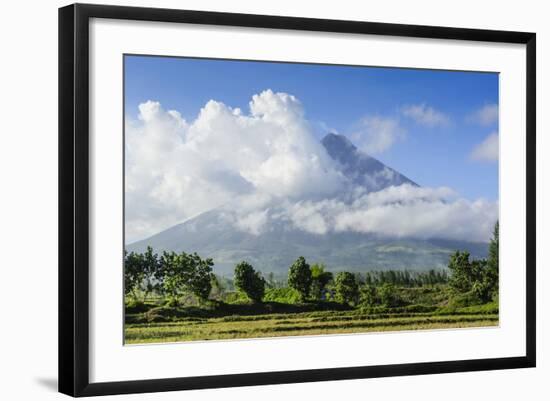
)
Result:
{"points": [[176, 169], [266, 168], [486, 115], [486, 150], [376, 134], [426, 115], [253, 222], [404, 211]]}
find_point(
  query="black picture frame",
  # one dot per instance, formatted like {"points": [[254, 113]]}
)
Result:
{"points": [[74, 198]]}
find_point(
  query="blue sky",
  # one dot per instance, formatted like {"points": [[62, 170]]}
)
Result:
{"points": [[340, 98]]}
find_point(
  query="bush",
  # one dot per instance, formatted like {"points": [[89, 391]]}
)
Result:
{"points": [[284, 295], [469, 298]]}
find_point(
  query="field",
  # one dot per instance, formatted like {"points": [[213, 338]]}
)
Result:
{"points": [[178, 298], [161, 324]]}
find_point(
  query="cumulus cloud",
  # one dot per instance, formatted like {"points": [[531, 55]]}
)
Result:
{"points": [[265, 168], [376, 134], [486, 115], [176, 169], [486, 150], [426, 115]]}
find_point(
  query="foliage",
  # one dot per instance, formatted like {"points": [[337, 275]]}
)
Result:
{"points": [[405, 278], [142, 274], [186, 273], [388, 295], [492, 262], [200, 282], [299, 277], [284, 295], [133, 273], [474, 277], [153, 273], [319, 280], [368, 296], [249, 281], [176, 275], [347, 289]]}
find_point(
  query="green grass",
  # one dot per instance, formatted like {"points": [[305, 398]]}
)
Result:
{"points": [[161, 324]]}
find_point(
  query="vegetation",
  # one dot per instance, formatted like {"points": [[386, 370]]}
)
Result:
{"points": [[249, 281], [176, 297], [319, 281], [347, 290], [299, 277]]}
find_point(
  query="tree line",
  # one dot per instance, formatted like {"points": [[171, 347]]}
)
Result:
{"points": [[174, 274]]}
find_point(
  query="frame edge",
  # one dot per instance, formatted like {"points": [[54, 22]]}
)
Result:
{"points": [[73, 191]]}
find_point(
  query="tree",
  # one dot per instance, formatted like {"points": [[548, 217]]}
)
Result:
{"points": [[176, 274], [249, 281], [186, 273], [492, 262], [347, 289], [463, 276], [134, 272], [299, 277], [200, 279], [475, 277], [152, 276], [319, 280]]}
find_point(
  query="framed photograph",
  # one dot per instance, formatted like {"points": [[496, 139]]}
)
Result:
{"points": [[250, 199]]}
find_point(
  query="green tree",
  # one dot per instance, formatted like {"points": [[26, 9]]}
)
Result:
{"points": [[474, 277], [200, 278], [492, 262], [185, 273], [249, 281], [319, 280], [152, 276], [177, 272], [347, 289], [463, 276], [134, 272], [299, 277]]}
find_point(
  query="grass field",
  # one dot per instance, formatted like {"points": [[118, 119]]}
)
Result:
{"points": [[158, 325]]}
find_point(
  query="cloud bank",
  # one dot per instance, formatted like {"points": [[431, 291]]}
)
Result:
{"points": [[265, 168]]}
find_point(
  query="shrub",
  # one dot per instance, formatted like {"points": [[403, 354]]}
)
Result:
{"points": [[285, 295]]}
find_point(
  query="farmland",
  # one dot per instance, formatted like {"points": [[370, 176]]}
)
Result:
{"points": [[159, 324]]}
